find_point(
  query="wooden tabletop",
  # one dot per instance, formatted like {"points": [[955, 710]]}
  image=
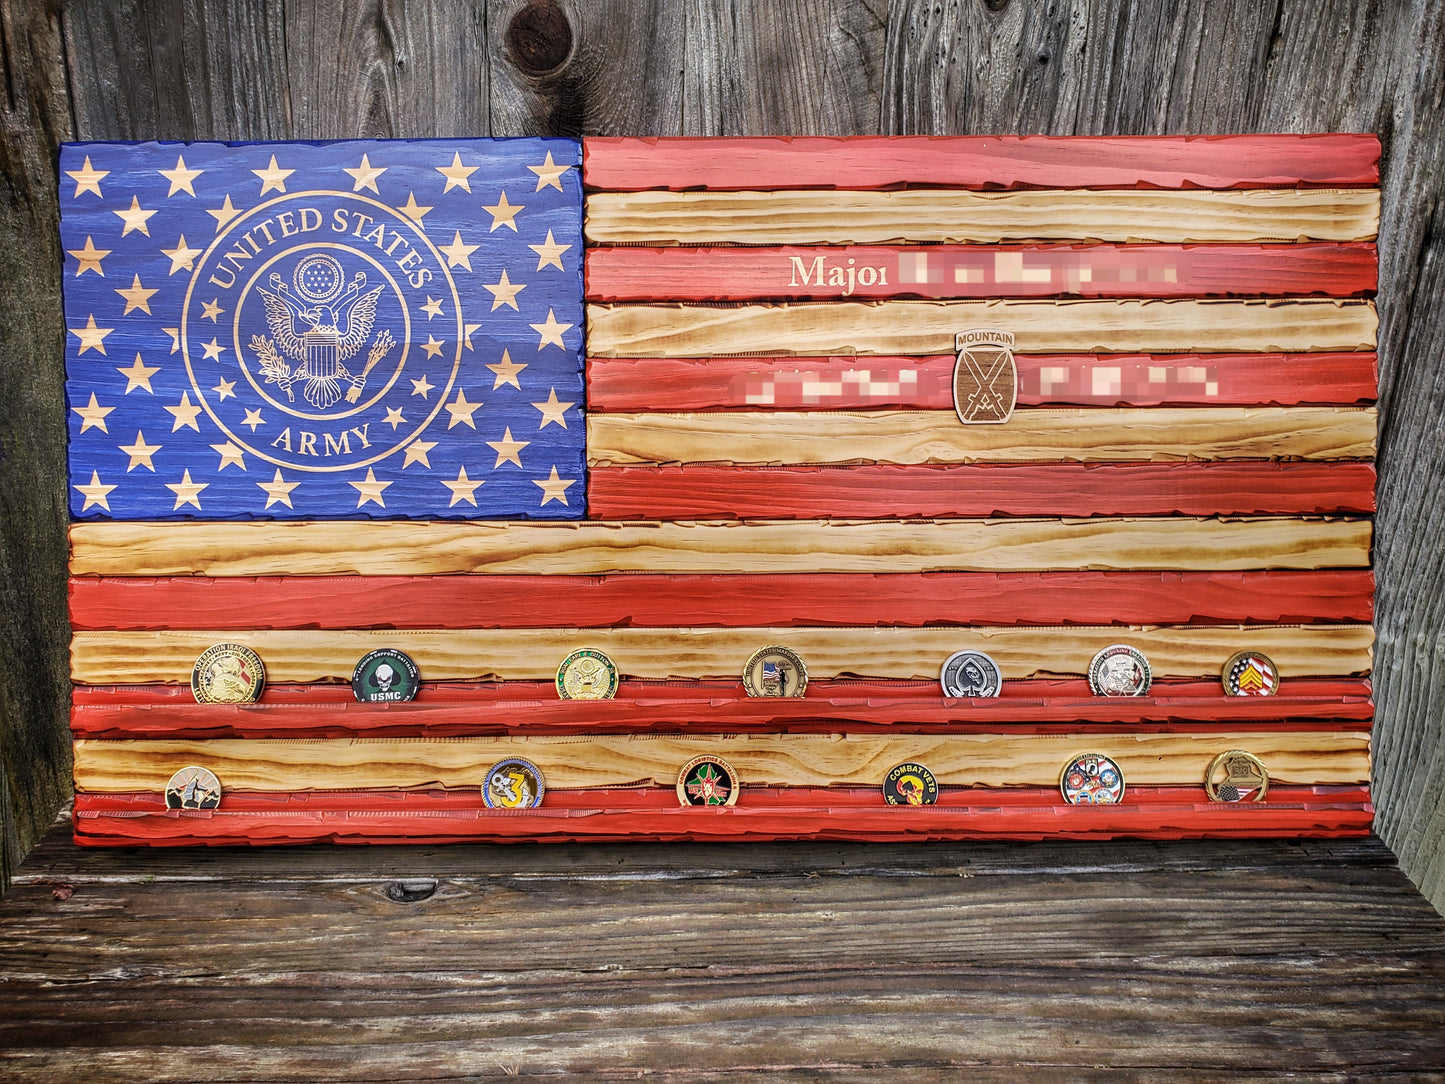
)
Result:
{"points": [[1051, 961]]}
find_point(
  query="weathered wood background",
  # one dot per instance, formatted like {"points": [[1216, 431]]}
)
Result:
{"points": [[268, 69]]}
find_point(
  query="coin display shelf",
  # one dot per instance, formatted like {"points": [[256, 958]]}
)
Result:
{"points": [[774, 457]]}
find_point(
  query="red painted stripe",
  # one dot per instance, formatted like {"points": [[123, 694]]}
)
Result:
{"points": [[1236, 161], [979, 271], [729, 601], [878, 491], [782, 383]]}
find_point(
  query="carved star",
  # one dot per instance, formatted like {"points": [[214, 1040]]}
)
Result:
{"points": [[253, 418], [421, 387], [226, 389], [457, 253], [504, 292], [369, 490], [189, 492], [138, 375], [224, 213], [93, 415], [137, 297], [467, 330], [507, 449], [456, 175], [393, 418], [87, 179], [505, 372], [463, 489], [549, 174], [551, 331], [89, 258], [433, 307], [462, 411], [212, 349], [549, 253], [278, 489], [417, 451], [180, 177], [554, 488], [365, 175], [433, 346], [552, 410], [175, 334], [140, 453], [211, 309], [134, 217], [96, 492], [183, 257], [229, 454], [184, 413], [90, 336], [411, 210], [273, 177], [504, 213]]}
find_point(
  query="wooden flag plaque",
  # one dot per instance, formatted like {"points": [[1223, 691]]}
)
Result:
{"points": [[750, 437]]}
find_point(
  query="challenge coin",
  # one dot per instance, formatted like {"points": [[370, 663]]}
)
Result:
{"points": [[586, 674], [193, 788], [970, 674], [228, 674], [1236, 776], [1249, 673], [775, 671], [1092, 779], [384, 675], [514, 783], [910, 784], [1120, 670], [707, 780]]}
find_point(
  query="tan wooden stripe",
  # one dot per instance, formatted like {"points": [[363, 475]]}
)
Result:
{"points": [[988, 760], [948, 215], [310, 655], [1088, 435], [930, 327]]}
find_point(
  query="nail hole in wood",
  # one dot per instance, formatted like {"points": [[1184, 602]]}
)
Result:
{"points": [[539, 38], [409, 891]]}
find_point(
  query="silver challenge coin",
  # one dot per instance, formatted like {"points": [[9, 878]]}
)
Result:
{"points": [[1120, 670], [970, 674]]}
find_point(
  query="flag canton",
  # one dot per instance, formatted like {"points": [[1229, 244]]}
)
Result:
{"points": [[354, 329]]}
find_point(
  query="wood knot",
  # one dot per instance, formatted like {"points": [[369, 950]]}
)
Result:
{"points": [[409, 891], [539, 38], [995, 5]]}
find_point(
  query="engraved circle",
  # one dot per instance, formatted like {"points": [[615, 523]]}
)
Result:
{"points": [[318, 278]]}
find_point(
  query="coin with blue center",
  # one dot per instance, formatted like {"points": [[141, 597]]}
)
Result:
{"points": [[385, 675], [193, 787], [514, 783], [1092, 779]]}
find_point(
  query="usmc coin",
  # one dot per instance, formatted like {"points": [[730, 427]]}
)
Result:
{"points": [[775, 671], [1120, 670], [970, 674], [910, 784], [228, 674], [193, 787], [985, 378], [1236, 776], [1092, 779], [586, 674], [514, 783], [707, 781], [1249, 673], [385, 675]]}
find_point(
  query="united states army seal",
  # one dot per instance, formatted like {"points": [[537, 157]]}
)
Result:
{"points": [[228, 674], [514, 783], [707, 781], [385, 675], [910, 784], [775, 671], [586, 675], [193, 787]]}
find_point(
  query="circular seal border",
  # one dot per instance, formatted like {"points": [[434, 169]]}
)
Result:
{"points": [[587, 653], [789, 654], [175, 784], [1211, 788], [1106, 653], [909, 767], [525, 765], [989, 659], [698, 761], [391, 654], [1230, 680], [1072, 799], [258, 679]]}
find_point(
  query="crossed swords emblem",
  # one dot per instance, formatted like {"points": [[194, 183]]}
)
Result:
{"points": [[984, 396]]}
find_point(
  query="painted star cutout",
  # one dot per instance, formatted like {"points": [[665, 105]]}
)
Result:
{"points": [[87, 179], [253, 418], [175, 334], [226, 389], [456, 175], [90, 336], [554, 488], [433, 346], [504, 292], [212, 349], [467, 330], [416, 452], [137, 297], [273, 177], [552, 410], [189, 492], [96, 492], [457, 253], [412, 211], [211, 309], [180, 177], [93, 415], [224, 213], [551, 331], [365, 175], [138, 375], [393, 418], [549, 253], [369, 490], [505, 372], [463, 489], [504, 213], [183, 257], [462, 411], [229, 454], [89, 258], [134, 217], [422, 386], [549, 174], [185, 413], [278, 489], [433, 307], [140, 453], [507, 449]]}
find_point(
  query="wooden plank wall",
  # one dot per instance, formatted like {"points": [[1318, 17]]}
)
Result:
{"points": [[201, 69]]}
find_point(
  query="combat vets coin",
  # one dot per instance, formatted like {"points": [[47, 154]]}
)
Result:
{"points": [[910, 784], [514, 783], [228, 674], [970, 674], [1249, 673], [1236, 776], [384, 675], [1120, 670], [775, 671], [586, 675], [1092, 779], [193, 788], [707, 780]]}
